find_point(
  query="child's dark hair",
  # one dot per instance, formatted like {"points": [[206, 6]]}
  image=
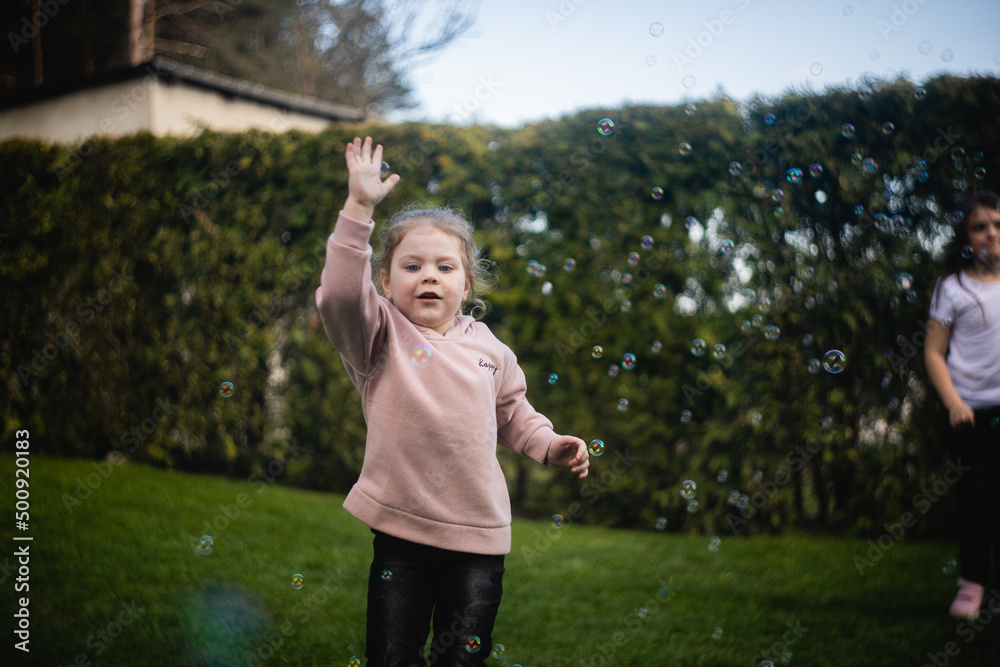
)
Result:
{"points": [[481, 273], [957, 254]]}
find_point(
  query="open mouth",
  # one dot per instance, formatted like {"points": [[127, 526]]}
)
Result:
{"points": [[428, 296]]}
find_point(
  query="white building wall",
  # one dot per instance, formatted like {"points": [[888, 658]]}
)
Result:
{"points": [[146, 104]]}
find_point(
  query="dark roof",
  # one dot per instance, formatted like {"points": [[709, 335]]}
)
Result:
{"points": [[172, 71]]}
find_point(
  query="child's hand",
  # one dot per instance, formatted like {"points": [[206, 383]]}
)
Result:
{"points": [[365, 186], [566, 451], [961, 414]]}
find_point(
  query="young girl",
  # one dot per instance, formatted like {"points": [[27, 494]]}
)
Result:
{"points": [[438, 392], [963, 362]]}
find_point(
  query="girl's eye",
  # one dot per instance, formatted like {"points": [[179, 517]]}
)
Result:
{"points": [[446, 269], [411, 267]]}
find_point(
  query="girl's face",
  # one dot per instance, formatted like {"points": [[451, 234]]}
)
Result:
{"points": [[426, 279], [984, 235]]}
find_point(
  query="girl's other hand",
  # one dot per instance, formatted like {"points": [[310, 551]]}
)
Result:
{"points": [[568, 452]]}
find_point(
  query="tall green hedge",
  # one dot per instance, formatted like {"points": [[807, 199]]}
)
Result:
{"points": [[140, 274]]}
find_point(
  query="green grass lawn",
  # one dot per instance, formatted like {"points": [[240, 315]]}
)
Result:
{"points": [[117, 580]]}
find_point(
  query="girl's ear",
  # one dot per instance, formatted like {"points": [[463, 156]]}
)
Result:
{"points": [[384, 278], [468, 286]]}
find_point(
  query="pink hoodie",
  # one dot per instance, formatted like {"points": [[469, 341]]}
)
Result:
{"points": [[435, 407]]}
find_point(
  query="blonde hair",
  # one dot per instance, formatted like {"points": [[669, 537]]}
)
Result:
{"points": [[480, 272]]}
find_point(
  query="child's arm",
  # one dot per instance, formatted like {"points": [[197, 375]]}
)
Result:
{"points": [[567, 451], [365, 187], [938, 336], [346, 298]]}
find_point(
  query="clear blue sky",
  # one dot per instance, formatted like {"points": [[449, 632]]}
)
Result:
{"points": [[528, 60]]}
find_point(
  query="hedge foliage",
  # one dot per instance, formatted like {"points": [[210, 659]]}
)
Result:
{"points": [[142, 273]]}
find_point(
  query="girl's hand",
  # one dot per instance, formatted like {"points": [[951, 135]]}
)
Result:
{"points": [[365, 186], [566, 451], [961, 414]]}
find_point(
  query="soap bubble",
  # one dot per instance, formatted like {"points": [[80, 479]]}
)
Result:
{"points": [[613, 370], [558, 520], [353, 662], [723, 476], [596, 447], [698, 347], [979, 172], [634, 258], [735, 168], [847, 130], [888, 127], [904, 280], [690, 109], [657, 192], [688, 82], [771, 332], [685, 416], [816, 69], [656, 29], [297, 581], [815, 170], [714, 544], [605, 126], [719, 351], [546, 288], [769, 119], [661, 523], [386, 575], [814, 365], [925, 47], [569, 265], [920, 93], [834, 361], [717, 634], [684, 148], [473, 644], [957, 153], [226, 389], [692, 506], [726, 246], [553, 378], [597, 352], [383, 170], [498, 650], [420, 355], [205, 545], [646, 242], [688, 489], [950, 567], [870, 166], [622, 405], [808, 339], [947, 55]]}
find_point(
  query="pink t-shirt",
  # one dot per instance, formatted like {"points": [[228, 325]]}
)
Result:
{"points": [[435, 406]]}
